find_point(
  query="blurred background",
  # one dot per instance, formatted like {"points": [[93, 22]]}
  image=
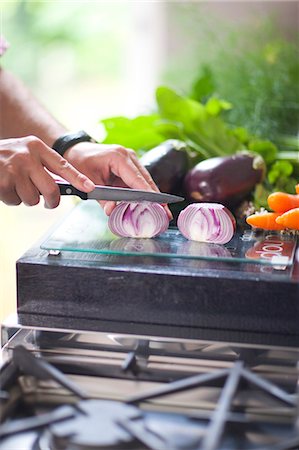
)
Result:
{"points": [[91, 60]]}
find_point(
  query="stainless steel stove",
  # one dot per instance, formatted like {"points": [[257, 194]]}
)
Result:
{"points": [[73, 390]]}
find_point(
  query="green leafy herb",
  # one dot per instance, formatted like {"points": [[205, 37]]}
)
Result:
{"points": [[204, 86], [199, 125], [140, 133], [258, 71], [265, 148]]}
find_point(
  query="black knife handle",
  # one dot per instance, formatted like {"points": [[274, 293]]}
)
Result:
{"points": [[68, 189]]}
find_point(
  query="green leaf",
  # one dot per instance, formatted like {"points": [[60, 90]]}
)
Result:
{"points": [[280, 169], [215, 106], [207, 131], [273, 175], [139, 133], [284, 167], [260, 196], [265, 148], [169, 129], [203, 86], [173, 106], [241, 134]]}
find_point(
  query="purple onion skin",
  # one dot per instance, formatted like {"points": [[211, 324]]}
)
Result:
{"points": [[226, 180], [138, 220]]}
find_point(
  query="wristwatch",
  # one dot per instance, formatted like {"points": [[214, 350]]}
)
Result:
{"points": [[69, 139]]}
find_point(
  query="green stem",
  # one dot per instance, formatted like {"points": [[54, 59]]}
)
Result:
{"points": [[210, 147], [289, 142], [197, 148], [289, 155]]}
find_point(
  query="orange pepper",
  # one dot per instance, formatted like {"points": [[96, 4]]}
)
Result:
{"points": [[281, 201], [297, 188], [266, 221], [289, 219]]}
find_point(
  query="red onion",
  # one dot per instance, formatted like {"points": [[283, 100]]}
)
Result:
{"points": [[207, 222], [138, 220]]}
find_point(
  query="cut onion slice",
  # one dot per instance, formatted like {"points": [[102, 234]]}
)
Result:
{"points": [[138, 220], [207, 222]]}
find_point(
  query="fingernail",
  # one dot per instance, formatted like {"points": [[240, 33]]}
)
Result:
{"points": [[47, 206], [88, 184], [106, 209]]}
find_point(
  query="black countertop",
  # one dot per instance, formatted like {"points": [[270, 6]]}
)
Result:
{"points": [[169, 295]]}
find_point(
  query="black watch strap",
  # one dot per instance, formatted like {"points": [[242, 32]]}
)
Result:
{"points": [[68, 140]]}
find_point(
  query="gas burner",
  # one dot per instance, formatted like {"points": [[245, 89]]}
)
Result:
{"points": [[109, 424], [96, 425], [100, 391]]}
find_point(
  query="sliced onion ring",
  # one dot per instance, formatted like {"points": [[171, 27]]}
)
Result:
{"points": [[207, 222], [138, 220]]}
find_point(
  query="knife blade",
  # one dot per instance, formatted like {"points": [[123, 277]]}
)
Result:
{"points": [[118, 194]]}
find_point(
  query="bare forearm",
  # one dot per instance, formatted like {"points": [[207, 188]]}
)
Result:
{"points": [[21, 114]]}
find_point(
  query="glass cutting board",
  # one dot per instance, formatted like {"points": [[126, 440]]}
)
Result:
{"points": [[85, 230]]}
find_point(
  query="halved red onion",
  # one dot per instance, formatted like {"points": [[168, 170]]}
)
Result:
{"points": [[138, 220], [207, 222]]}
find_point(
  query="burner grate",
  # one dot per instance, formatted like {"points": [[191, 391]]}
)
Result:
{"points": [[151, 394]]}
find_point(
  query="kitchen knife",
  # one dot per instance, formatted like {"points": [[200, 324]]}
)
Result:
{"points": [[118, 194]]}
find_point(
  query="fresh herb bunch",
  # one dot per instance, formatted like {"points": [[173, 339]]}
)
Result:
{"points": [[258, 71], [203, 127], [199, 125]]}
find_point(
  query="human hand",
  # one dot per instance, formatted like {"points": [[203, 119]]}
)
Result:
{"points": [[111, 165], [23, 174]]}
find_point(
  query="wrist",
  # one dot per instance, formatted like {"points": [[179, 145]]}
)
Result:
{"points": [[77, 152], [69, 140]]}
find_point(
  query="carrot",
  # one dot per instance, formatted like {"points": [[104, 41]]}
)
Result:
{"points": [[266, 221], [282, 202], [289, 219], [297, 188]]}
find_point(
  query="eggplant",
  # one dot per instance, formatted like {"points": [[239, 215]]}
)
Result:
{"points": [[168, 164], [227, 180]]}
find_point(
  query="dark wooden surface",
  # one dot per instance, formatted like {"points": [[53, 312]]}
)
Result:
{"points": [[167, 296]]}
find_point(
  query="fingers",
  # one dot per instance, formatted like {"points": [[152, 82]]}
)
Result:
{"points": [[108, 207], [145, 173], [46, 186], [169, 213], [149, 179], [8, 194], [60, 166], [124, 165], [27, 191], [23, 174]]}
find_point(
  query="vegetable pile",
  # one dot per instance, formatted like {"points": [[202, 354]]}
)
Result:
{"points": [[285, 215], [201, 131]]}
